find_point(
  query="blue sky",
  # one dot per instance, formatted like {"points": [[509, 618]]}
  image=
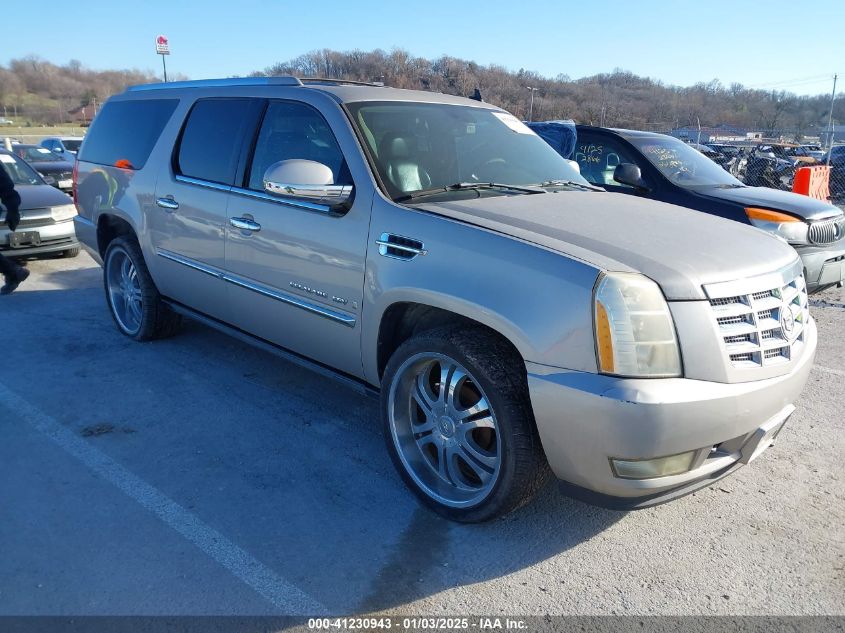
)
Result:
{"points": [[775, 44]]}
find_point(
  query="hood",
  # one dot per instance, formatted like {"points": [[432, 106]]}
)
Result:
{"points": [[775, 199], [678, 248], [40, 196]]}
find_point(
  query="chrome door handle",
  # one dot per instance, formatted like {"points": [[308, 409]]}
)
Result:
{"points": [[167, 203], [245, 224], [399, 247]]}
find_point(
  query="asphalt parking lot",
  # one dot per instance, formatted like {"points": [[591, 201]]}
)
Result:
{"points": [[198, 475]]}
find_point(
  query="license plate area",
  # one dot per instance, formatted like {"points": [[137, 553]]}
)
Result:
{"points": [[24, 238]]}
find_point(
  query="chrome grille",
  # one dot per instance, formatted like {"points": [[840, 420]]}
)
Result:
{"points": [[754, 326], [827, 231]]}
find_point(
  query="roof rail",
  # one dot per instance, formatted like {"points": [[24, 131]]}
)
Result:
{"points": [[325, 80], [220, 83]]}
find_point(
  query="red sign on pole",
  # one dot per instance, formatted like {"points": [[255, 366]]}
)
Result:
{"points": [[162, 45]]}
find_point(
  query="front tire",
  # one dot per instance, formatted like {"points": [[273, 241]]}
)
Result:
{"points": [[459, 425], [132, 297]]}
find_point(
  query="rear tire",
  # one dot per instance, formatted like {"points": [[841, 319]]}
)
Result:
{"points": [[70, 253], [471, 451], [131, 294]]}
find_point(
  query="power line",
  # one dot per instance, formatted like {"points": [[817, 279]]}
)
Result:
{"points": [[795, 82]]}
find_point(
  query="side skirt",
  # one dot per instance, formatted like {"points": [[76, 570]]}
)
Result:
{"points": [[349, 381]]}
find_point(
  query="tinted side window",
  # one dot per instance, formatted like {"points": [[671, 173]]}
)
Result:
{"points": [[597, 157], [125, 132], [295, 130], [212, 139]]}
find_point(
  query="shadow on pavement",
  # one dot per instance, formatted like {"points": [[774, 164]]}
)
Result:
{"points": [[289, 465]]}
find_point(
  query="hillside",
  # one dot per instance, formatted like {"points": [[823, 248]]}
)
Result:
{"points": [[36, 91], [43, 92], [618, 98]]}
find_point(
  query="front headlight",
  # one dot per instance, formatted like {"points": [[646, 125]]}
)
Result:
{"points": [[784, 226], [635, 334], [62, 212]]}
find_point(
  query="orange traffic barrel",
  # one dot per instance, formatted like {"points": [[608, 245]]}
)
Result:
{"points": [[812, 181]]}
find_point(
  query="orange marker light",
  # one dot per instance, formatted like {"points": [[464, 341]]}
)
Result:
{"points": [[604, 339], [765, 215]]}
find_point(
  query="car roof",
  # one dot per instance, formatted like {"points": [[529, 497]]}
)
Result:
{"points": [[341, 91], [621, 132]]}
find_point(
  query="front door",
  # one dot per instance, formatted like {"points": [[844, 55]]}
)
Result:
{"points": [[296, 276]]}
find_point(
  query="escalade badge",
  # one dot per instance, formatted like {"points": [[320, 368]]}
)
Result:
{"points": [[787, 321]]}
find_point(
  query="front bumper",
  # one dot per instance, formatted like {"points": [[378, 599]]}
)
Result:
{"points": [[585, 420], [823, 265], [55, 238]]}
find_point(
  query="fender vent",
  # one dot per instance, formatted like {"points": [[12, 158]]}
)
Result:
{"points": [[399, 247]]}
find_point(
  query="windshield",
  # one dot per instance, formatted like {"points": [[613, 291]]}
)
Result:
{"points": [[40, 155], [19, 171], [72, 145], [683, 165], [425, 146]]}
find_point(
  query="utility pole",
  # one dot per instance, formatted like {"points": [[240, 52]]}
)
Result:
{"points": [[830, 121], [531, 106]]}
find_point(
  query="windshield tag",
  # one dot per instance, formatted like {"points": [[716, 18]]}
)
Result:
{"points": [[513, 123], [5, 158]]}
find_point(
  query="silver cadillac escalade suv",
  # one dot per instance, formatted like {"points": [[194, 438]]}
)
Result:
{"points": [[514, 320]]}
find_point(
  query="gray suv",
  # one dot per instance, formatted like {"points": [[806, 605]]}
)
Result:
{"points": [[433, 251]]}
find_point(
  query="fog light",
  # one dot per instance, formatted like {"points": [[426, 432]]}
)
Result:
{"points": [[648, 468]]}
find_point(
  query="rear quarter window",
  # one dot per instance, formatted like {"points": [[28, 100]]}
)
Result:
{"points": [[124, 132]]}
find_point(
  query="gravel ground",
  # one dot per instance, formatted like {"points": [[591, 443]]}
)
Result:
{"points": [[200, 476]]}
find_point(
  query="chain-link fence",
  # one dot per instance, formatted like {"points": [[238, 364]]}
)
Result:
{"points": [[768, 158]]}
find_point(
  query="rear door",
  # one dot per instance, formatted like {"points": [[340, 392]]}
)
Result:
{"points": [[188, 224], [297, 279]]}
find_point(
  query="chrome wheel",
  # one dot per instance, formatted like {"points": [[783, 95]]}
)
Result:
{"points": [[124, 290], [444, 430]]}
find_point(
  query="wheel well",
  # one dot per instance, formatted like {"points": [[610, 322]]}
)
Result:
{"points": [[401, 321], [108, 228]]}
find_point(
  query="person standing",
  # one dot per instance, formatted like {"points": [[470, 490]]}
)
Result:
{"points": [[12, 273]]}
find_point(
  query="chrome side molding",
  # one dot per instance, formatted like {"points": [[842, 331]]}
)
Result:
{"points": [[344, 318]]}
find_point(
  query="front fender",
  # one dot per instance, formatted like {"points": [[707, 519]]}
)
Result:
{"points": [[540, 300]]}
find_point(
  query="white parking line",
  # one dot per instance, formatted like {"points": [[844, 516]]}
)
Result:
{"points": [[828, 370], [288, 598]]}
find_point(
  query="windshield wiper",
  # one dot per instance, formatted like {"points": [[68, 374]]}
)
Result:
{"points": [[731, 186], [459, 186], [569, 183]]}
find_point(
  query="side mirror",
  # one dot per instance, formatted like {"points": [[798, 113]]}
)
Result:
{"points": [[629, 174], [305, 180], [574, 165]]}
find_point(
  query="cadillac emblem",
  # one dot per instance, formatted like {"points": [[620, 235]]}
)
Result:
{"points": [[788, 320]]}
